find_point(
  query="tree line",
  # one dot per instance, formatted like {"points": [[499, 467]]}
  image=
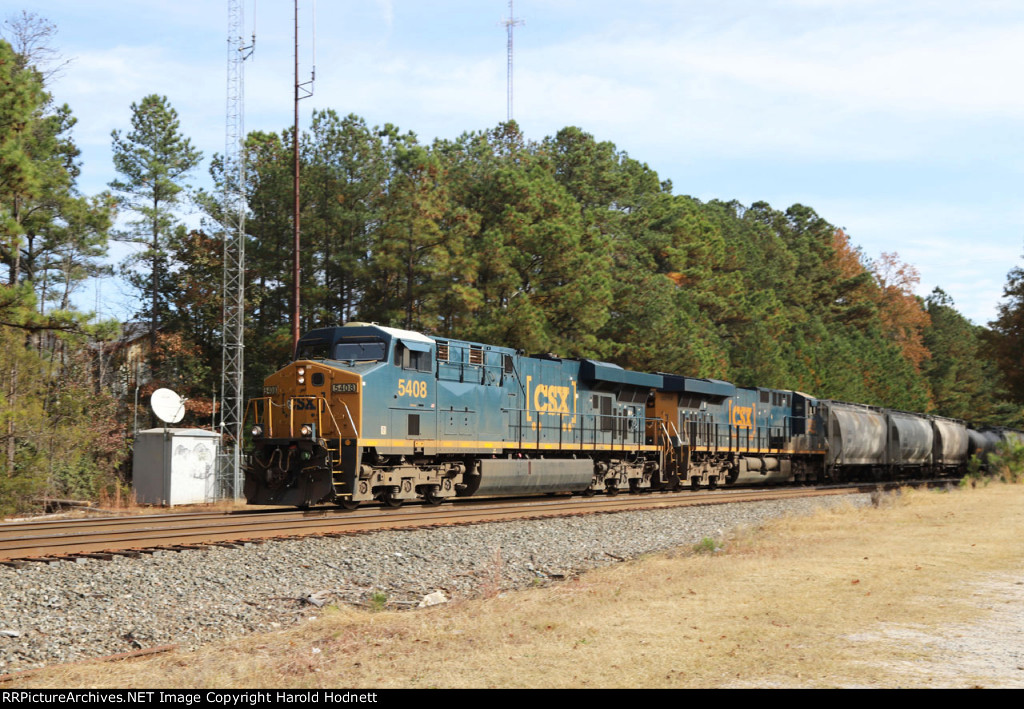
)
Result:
{"points": [[564, 245], [570, 246]]}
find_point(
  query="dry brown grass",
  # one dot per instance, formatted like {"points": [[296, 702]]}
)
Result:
{"points": [[125, 502], [122, 499], [126, 506], [798, 603]]}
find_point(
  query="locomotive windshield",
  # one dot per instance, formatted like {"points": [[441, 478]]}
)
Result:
{"points": [[370, 350], [361, 351]]}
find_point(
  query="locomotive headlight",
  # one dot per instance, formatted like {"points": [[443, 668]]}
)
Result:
{"points": [[257, 431], [301, 372], [302, 380], [306, 430]]}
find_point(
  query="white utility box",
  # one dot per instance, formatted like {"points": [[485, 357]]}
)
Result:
{"points": [[175, 466]]}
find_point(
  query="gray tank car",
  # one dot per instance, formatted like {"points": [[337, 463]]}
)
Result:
{"points": [[950, 453], [870, 443]]}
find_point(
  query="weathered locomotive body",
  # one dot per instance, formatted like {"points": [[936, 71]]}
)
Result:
{"points": [[368, 412], [714, 432]]}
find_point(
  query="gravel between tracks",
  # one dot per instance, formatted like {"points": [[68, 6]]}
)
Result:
{"points": [[66, 611]]}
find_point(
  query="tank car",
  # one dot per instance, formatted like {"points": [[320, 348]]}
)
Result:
{"points": [[1009, 435], [986, 441], [911, 443], [366, 412], [981, 443], [949, 456]]}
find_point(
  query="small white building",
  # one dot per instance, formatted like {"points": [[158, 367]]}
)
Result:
{"points": [[175, 466]]}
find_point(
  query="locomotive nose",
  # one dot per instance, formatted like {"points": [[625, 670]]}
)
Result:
{"points": [[314, 400]]}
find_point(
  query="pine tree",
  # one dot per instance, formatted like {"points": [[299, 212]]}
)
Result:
{"points": [[58, 427], [1006, 339], [154, 159], [21, 100]]}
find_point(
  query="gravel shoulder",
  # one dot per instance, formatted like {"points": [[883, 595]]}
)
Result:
{"points": [[67, 611], [64, 611]]}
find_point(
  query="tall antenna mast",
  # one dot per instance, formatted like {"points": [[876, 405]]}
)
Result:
{"points": [[510, 25], [232, 358], [302, 90]]}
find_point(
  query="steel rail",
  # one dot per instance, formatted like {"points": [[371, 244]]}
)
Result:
{"points": [[70, 538]]}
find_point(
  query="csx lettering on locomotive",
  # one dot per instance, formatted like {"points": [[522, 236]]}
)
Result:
{"points": [[549, 399], [741, 416]]}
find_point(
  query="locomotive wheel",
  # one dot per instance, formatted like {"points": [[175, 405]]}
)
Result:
{"points": [[589, 492], [713, 482], [611, 491], [431, 496], [347, 504], [389, 500]]}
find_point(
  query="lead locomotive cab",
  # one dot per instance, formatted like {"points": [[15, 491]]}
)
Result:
{"points": [[356, 417], [307, 425]]}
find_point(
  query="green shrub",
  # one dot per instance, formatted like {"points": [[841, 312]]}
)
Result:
{"points": [[707, 545]]}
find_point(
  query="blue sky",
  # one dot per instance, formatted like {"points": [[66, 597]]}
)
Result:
{"points": [[898, 121]]}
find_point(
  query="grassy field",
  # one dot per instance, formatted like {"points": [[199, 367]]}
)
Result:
{"points": [[868, 597]]}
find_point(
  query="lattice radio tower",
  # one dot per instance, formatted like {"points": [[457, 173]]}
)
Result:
{"points": [[232, 408], [510, 24]]}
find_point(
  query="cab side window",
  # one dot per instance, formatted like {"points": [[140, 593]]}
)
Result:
{"points": [[412, 359]]}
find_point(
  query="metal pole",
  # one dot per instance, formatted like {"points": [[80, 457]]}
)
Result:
{"points": [[295, 244], [233, 335]]}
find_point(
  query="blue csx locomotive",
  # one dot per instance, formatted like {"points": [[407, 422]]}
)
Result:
{"points": [[374, 413]]}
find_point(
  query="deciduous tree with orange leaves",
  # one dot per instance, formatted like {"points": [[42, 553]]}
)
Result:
{"points": [[901, 314]]}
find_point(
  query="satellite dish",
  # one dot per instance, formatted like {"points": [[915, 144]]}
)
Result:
{"points": [[168, 406]]}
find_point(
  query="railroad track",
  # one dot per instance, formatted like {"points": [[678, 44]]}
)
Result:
{"points": [[25, 542]]}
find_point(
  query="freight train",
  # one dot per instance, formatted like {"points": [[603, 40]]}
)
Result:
{"points": [[366, 412]]}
